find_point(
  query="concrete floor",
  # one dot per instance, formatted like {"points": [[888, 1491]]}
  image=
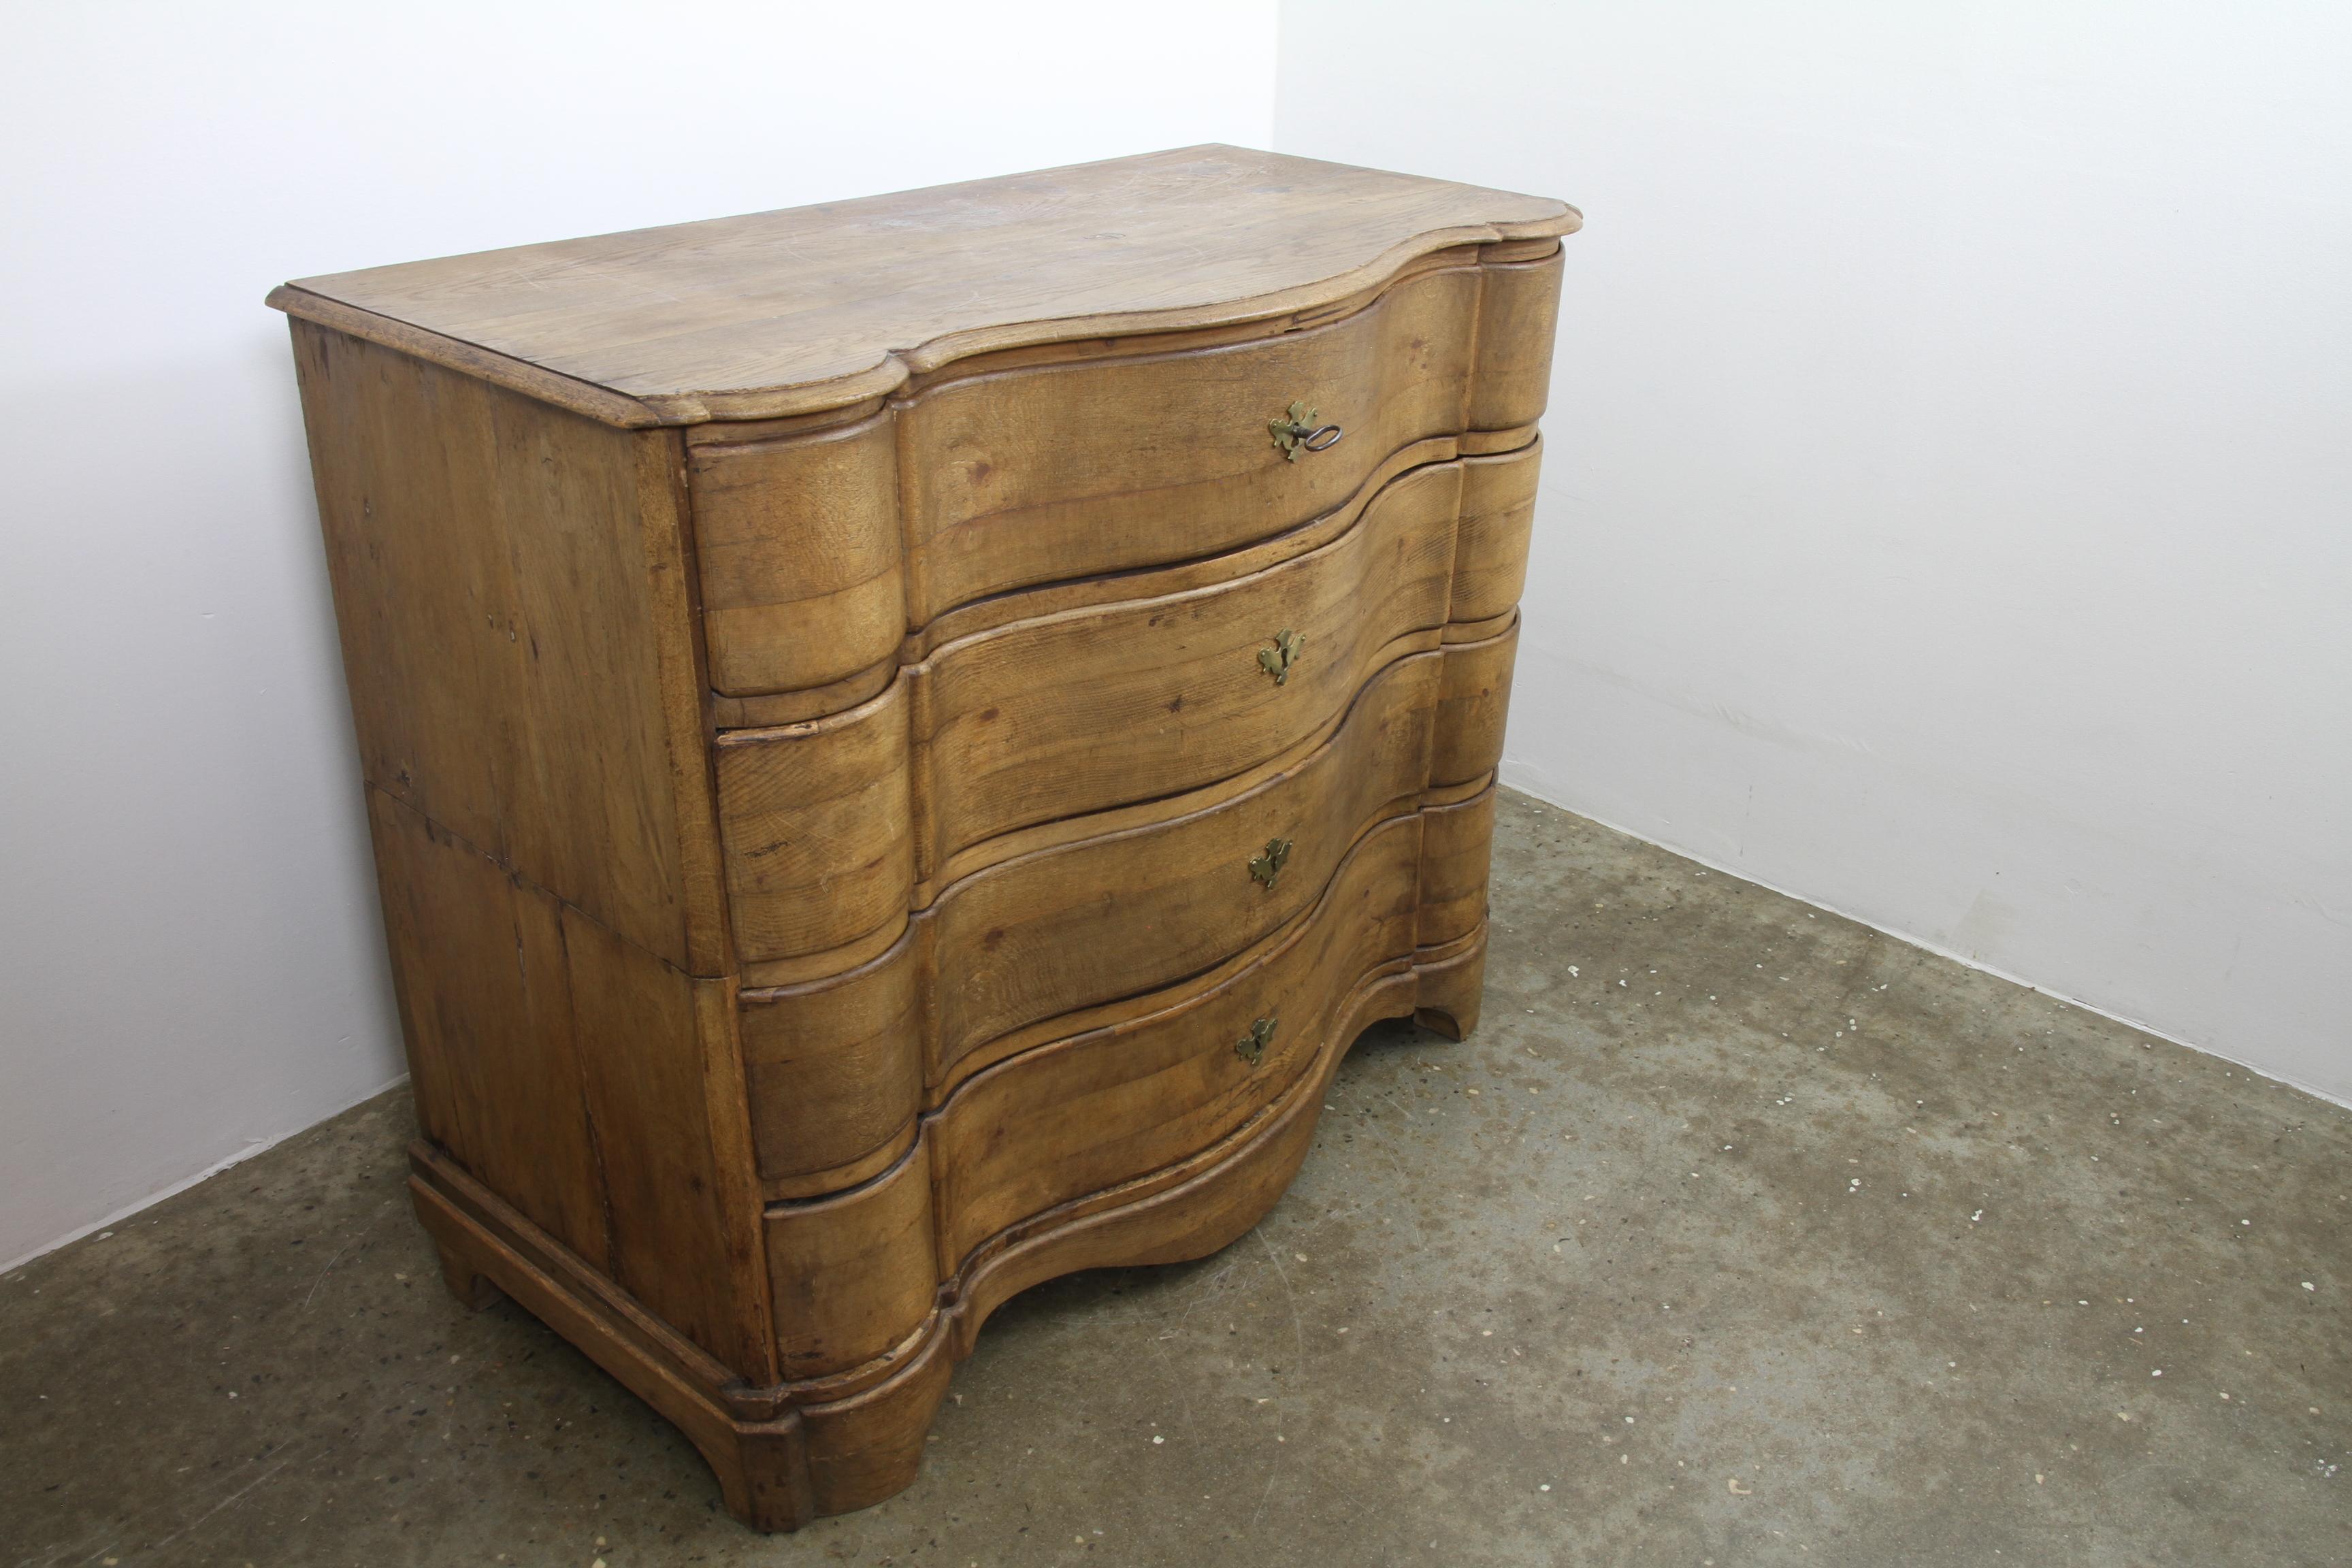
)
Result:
{"points": [[1735, 1234]]}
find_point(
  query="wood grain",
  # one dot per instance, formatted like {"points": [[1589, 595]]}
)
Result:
{"points": [[1518, 320], [478, 965], [1002, 730], [812, 308], [856, 1271], [1091, 1112], [750, 1437], [820, 549], [774, 709], [515, 591], [1083, 934], [536, 1040], [516, 630], [801, 548], [787, 1453], [1084, 1115]]}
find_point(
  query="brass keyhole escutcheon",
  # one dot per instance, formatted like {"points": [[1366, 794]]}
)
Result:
{"points": [[1251, 1048], [1276, 660], [1297, 432], [1268, 863]]}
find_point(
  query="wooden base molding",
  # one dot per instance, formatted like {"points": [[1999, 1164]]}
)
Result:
{"points": [[788, 1453]]}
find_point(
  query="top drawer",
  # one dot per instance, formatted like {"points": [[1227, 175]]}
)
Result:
{"points": [[820, 549]]}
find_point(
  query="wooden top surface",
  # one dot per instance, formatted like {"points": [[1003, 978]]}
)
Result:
{"points": [[811, 308]]}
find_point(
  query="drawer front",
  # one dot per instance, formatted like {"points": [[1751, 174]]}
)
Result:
{"points": [[1003, 958], [831, 827], [1030, 475], [856, 1273], [1097, 709], [820, 551]]}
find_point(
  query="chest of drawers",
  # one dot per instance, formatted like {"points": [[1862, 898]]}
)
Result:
{"points": [[904, 739]]}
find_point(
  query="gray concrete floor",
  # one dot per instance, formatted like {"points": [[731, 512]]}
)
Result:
{"points": [[1735, 1234]]}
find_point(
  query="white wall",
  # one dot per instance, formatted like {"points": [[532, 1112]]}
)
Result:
{"points": [[190, 958], [1948, 516]]}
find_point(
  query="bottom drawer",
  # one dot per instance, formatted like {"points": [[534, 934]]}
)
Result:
{"points": [[855, 1273]]}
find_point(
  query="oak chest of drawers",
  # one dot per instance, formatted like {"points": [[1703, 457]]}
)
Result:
{"points": [[905, 737]]}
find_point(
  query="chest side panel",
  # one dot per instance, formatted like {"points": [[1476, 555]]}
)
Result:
{"points": [[513, 593]]}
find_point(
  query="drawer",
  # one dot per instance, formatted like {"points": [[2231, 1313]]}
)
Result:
{"points": [[1089, 711], [1084, 1115], [838, 1069], [820, 549]]}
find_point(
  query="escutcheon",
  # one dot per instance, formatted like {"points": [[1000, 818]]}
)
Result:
{"points": [[1276, 660], [1297, 432], [1268, 863]]}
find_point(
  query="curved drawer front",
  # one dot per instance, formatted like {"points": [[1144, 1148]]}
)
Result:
{"points": [[1082, 1115], [1097, 709], [820, 549], [1068, 470], [838, 1069], [1089, 711]]}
